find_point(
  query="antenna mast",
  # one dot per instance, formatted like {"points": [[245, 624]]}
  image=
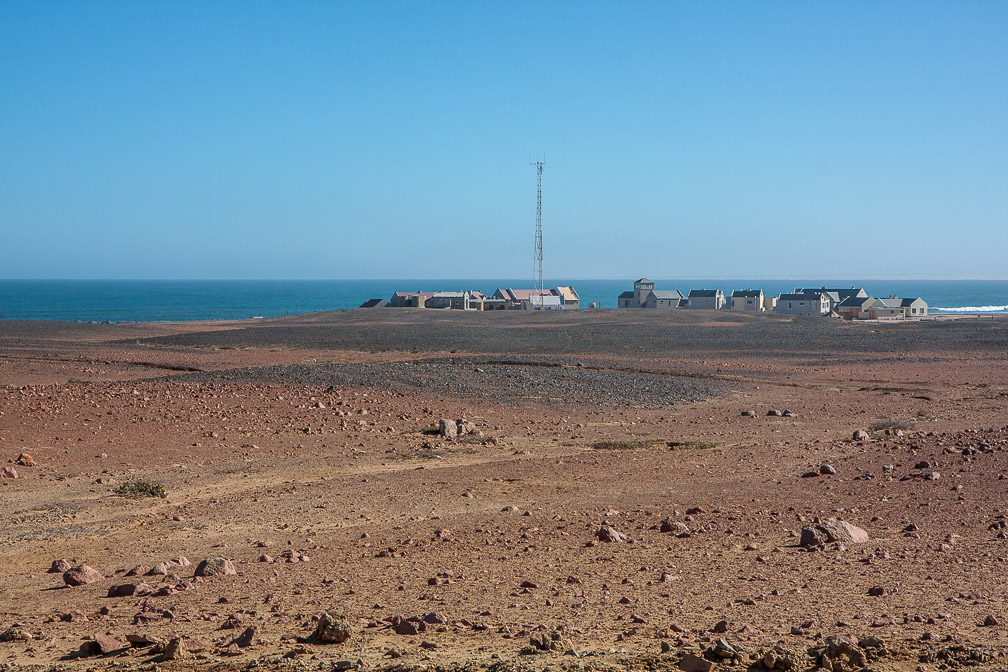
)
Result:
{"points": [[537, 273]]}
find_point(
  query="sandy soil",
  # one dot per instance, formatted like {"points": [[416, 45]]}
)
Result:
{"points": [[310, 440]]}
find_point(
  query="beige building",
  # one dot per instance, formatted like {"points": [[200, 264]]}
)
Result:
{"points": [[746, 299]]}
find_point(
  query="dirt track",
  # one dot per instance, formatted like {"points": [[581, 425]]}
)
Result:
{"points": [[310, 435]]}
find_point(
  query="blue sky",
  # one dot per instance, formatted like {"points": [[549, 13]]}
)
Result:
{"points": [[391, 139]]}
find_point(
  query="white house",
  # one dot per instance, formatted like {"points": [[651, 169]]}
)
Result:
{"points": [[803, 304], [916, 307], [886, 309], [709, 299], [663, 299]]}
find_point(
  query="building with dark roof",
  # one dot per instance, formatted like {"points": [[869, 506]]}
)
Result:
{"points": [[705, 299]]}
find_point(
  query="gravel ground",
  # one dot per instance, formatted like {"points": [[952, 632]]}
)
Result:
{"points": [[510, 381], [637, 334]]}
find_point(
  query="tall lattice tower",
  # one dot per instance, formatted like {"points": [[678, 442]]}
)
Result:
{"points": [[537, 274]]}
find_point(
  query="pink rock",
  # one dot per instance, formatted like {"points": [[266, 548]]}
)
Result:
{"points": [[78, 576], [842, 531], [8, 472], [59, 566], [215, 567], [693, 663]]}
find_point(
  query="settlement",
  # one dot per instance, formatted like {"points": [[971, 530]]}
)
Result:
{"points": [[849, 303]]}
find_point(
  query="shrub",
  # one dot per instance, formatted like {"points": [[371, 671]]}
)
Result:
{"points": [[141, 489]]}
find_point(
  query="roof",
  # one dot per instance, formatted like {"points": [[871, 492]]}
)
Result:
{"points": [[476, 294], [665, 294], [836, 293], [704, 292], [800, 297], [449, 295], [424, 294], [650, 282], [891, 302], [526, 294], [908, 302], [374, 303], [746, 292], [850, 301], [627, 295], [567, 292]]}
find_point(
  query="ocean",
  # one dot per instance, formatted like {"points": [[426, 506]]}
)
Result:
{"points": [[177, 300]]}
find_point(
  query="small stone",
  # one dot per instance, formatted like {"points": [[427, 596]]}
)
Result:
{"points": [[876, 591], [59, 566], [8, 472], [174, 650], [860, 435], [447, 428], [107, 644], [811, 536], [215, 567], [15, 635], [80, 575], [248, 637], [720, 626], [842, 531], [693, 663], [990, 621], [827, 469], [608, 534], [674, 527], [749, 414], [332, 629]]}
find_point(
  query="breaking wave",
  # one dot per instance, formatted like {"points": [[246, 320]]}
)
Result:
{"points": [[970, 309]]}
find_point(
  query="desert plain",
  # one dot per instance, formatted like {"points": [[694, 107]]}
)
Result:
{"points": [[577, 490]]}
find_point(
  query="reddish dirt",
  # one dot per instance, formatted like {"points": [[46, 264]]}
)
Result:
{"points": [[398, 522]]}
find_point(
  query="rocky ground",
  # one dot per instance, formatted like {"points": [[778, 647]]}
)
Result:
{"points": [[628, 491]]}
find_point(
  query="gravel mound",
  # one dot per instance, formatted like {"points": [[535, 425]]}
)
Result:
{"points": [[498, 380]]}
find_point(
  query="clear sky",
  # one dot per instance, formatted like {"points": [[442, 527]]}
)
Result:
{"points": [[392, 139]]}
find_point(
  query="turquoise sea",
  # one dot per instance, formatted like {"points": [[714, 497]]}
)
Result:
{"points": [[172, 300]]}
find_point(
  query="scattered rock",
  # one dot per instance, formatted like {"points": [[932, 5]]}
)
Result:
{"points": [[608, 534], [842, 531], [550, 641], [827, 469], [80, 575], [720, 626], [860, 435], [447, 428], [876, 591], [175, 650], [139, 640], [675, 527], [248, 637], [990, 621], [107, 644], [215, 567], [15, 635], [332, 629], [749, 414], [773, 413], [59, 566], [8, 472], [693, 663], [812, 536]]}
